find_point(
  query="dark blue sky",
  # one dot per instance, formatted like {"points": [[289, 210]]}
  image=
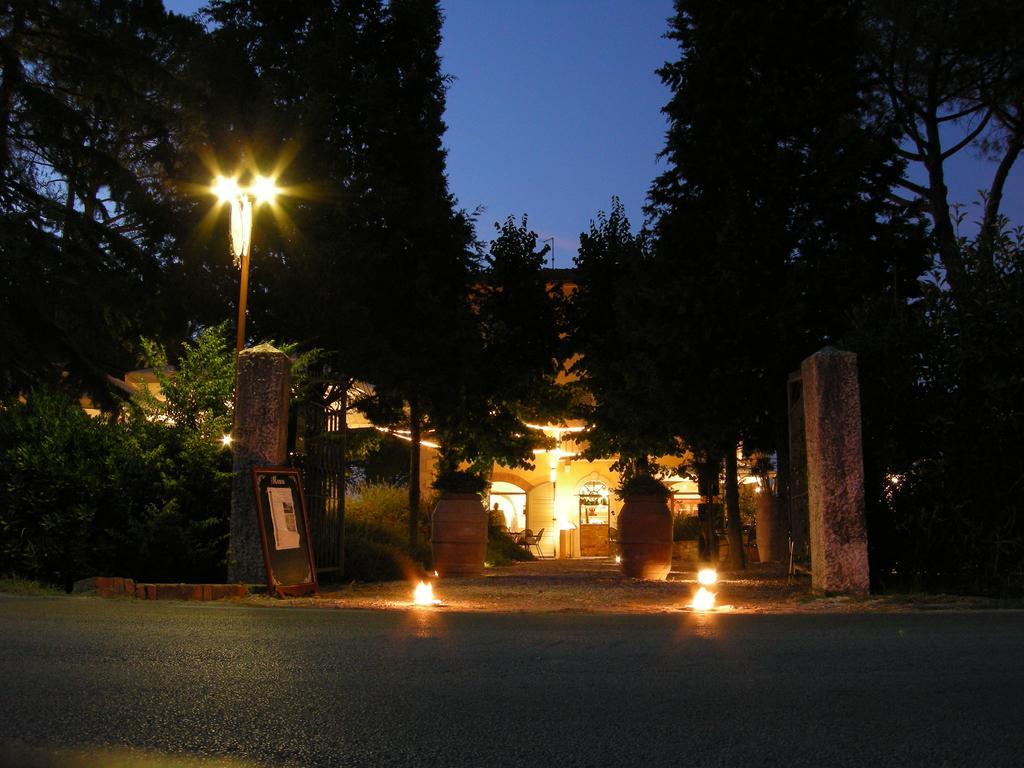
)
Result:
{"points": [[555, 107]]}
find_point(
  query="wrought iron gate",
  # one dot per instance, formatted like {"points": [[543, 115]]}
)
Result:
{"points": [[318, 448]]}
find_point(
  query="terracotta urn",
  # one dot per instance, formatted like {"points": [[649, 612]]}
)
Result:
{"points": [[458, 537], [645, 537]]}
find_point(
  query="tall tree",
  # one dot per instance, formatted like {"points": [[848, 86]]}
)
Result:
{"points": [[415, 249], [772, 219], [512, 359], [618, 339], [376, 267], [952, 77], [94, 112]]}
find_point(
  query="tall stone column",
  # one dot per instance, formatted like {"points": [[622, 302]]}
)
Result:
{"points": [[835, 472], [260, 439]]}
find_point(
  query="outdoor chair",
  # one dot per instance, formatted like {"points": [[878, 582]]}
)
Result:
{"points": [[533, 540]]}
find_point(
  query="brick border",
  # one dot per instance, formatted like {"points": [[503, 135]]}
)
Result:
{"points": [[113, 586]]}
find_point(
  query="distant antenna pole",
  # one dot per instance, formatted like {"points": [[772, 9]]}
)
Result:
{"points": [[552, 241]]}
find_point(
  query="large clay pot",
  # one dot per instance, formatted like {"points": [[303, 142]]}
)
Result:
{"points": [[645, 537], [767, 527], [458, 537]]}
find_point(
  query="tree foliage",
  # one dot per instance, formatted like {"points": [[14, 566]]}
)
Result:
{"points": [[512, 380], [93, 117], [615, 331], [772, 219], [950, 75], [941, 390]]}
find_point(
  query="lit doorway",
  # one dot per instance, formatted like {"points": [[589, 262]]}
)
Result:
{"points": [[510, 501], [595, 519]]}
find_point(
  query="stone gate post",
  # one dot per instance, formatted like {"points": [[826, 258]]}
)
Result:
{"points": [[835, 472], [260, 439]]}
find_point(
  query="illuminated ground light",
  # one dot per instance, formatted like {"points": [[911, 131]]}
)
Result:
{"points": [[703, 600], [424, 594], [226, 441], [707, 576]]}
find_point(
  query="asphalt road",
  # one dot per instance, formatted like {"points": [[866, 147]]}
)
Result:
{"points": [[277, 686]]}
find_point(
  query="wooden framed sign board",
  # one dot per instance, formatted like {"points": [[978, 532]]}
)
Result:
{"points": [[284, 531]]}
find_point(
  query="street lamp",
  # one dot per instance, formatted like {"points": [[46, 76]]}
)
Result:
{"points": [[241, 199]]}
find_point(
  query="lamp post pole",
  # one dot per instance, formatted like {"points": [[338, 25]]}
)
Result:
{"points": [[242, 200], [241, 243]]}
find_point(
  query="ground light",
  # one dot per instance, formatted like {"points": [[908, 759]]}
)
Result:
{"points": [[703, 600], [424, 594], [707, 576]]}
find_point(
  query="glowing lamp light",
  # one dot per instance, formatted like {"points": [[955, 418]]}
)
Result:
{"points": [[226, 189], [707, 576], [226, 441], [424, 594], [264, 189], [703, 600], [618, 559]]}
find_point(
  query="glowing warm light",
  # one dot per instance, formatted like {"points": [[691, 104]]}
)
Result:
{"points": [[226, 441], [264, 189], [707, 576], [555, 430], [403, 434], [424, 594], [226, 189], [703, 600], [618, 559]]}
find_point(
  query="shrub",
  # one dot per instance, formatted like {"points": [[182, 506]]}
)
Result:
{"points": [[685, 527], [81, 496], [385, 504], [376, 531], [641, 484], [460, 481], [501, 548], [375, 553]]}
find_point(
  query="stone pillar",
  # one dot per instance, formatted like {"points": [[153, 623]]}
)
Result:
{"points": [[835, 472], [260, 439]]}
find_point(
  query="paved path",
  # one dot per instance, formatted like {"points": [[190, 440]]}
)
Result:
{"points": [[421, 687]]}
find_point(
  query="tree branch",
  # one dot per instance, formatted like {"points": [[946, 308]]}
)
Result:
{"points": [[995, 192], [915, 188], [969, 138]]}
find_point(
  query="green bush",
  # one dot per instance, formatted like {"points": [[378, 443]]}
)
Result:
{"points": [[460, 481], [376, 553], [642, 485], [385, 504], [81, 496], [685, 527], [501, 548], [376, 535]]}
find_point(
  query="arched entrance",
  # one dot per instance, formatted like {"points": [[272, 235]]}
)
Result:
{"points": [[510, 500], [595, 517]]}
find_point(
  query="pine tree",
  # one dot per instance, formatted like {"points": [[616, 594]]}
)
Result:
{"points": [[773, 218], [94, 111]]}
